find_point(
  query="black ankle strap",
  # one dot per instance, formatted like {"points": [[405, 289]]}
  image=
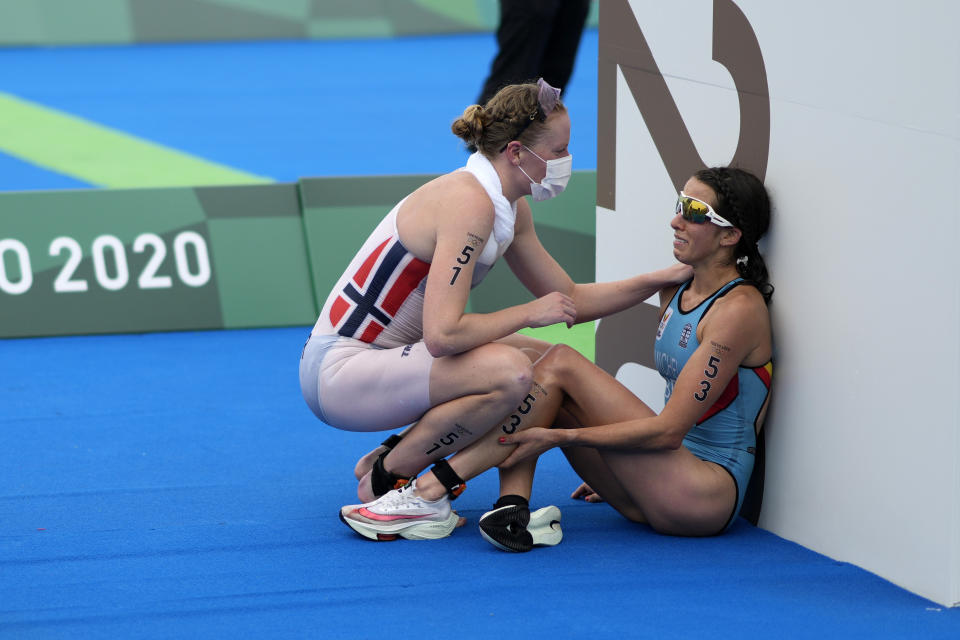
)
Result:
{"points": [[392, 441], [382, 480], [449, 479], [511, 499]]}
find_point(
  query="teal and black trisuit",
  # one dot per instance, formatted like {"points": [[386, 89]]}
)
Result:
{"points": [[726, 434]]}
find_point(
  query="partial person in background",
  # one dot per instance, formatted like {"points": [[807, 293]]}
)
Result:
{"points": [[684, 471], [394, 344], [536, 38]]}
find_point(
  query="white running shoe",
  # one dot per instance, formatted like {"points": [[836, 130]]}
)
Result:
{"points": [[514, 528], [401, 512]]}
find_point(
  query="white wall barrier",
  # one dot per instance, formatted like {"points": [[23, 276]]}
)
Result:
{"points": [[849, 111]]}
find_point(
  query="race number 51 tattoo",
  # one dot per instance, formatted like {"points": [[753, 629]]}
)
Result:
{"points": [[463, 258], [711, 373], [473, 242]]}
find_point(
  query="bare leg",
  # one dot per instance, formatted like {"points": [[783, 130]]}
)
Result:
{"points": [[518, 479], [533, 348], [469, 392], [365, 463], [673, 490], [590, 465], [538, 408]]}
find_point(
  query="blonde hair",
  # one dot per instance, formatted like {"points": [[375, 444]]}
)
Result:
{"points": [[514, 113]]}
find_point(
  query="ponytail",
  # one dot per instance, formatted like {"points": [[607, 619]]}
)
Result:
{"points": [[753, 269], [743, 200]]}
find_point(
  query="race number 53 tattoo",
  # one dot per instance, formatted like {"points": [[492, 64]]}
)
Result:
{"points": [[517, 417], [711, 373]]}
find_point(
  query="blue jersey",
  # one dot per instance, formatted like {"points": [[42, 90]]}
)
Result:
{"points": [[726, 433]]}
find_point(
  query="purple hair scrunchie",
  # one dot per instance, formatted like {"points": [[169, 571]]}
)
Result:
{"points": [[547, 97]]}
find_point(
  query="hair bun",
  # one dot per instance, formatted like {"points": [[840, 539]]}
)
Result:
{"points": [[469, 127]]}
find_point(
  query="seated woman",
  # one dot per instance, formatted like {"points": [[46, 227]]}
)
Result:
{"points": [[683, 471]]}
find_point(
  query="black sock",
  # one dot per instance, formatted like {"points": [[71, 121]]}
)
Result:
{"points": [[511, 499]]}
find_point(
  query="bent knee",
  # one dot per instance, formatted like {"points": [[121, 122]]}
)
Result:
{"points": [[558, 362], [508, 369], [516, 376]]}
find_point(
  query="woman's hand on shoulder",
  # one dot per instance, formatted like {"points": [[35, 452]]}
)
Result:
{"points": [[673, 276], [677, 274]]}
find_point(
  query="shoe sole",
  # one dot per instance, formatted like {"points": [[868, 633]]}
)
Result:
{"points": [[416, 530], [543, 528]]}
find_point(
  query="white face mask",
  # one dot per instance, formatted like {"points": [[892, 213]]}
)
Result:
{"points": [[555, 180]]}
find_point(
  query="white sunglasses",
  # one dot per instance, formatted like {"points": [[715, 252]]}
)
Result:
{"points": [[698, 211]]}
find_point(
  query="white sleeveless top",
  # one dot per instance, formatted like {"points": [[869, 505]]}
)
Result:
{"points": [[379, 298]]}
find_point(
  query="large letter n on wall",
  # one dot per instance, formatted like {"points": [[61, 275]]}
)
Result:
{"points": [[622, 45]]}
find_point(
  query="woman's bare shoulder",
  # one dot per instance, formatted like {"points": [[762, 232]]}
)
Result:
{"points": [[458, 189], [741, 316]]}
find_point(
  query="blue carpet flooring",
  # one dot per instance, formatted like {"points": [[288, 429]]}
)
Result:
{"points": [[176, 486]]}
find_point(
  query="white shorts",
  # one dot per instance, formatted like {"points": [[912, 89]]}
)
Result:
{"points": [[354, 386]]}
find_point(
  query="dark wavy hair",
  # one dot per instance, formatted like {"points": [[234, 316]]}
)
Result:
{"points": [[743, 200]]}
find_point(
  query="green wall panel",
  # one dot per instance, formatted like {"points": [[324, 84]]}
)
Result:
{"points": [[74, 262], [259, 254], [38, 217], [262, 272], [42, 311]]}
